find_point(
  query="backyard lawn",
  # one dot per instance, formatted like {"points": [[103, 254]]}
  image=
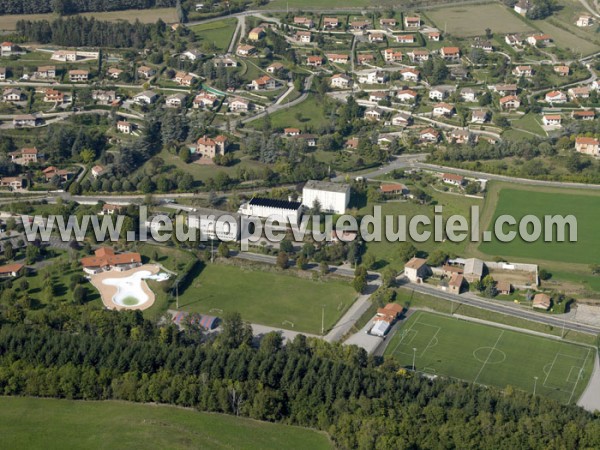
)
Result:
{"points": [[267, 298], [309, 113], [219, 32]]}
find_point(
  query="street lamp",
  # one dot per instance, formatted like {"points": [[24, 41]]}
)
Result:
{"points": [[414, 357], [534, 385], [323, 320]]}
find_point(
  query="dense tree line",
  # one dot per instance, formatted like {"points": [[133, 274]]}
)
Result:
{"points": [[339, 389], [83, 32], [77, 6]]}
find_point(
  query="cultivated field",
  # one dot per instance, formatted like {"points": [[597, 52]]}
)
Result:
{"points": [[219, 32], [168, 15], [267, 298], [472, 20], [59, 424], [488, 355], [521, 202]]}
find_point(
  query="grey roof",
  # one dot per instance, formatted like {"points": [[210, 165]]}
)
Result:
{"points": [[198, 212], [474, 266], [326, 186]]}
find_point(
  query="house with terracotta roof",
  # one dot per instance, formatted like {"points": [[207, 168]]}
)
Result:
{"points": [[542, 301], [25, 156], [562, 71], [503, 288], [416, 269], [406, 95], [338, 58], [239, 104], [579, 92], [587, 145], [388, 22], [291, 131], [539, 40], [256, 33], [304, 21], [523, 71], [245, 50], [405, 38], [45, 72], [303, 36], [205, 100], [584, 115], [146, 97], [340, 81], [552, 120], [450, 53], [52, 96], [584, 20], [412, 22], [434, 36], [330, 22], [106, 259], [97, 171], [452, 178], [210, 147], [78, 76], [456, 283], [392, 55], [359, 25], [12, 182], [393, 189], [555, 97], [146, 72], [376, 37], [124, 127], [443, 109], [264, 83], [418, 55], [314, 61], [479, 116], [114, 73], [183, 78], [410, 74], [365, 58], [429, 135], [12, 270], [510, 102]]}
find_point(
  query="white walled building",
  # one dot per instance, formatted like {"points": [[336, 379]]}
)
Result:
{"points": [[333, 197], [264, 208], [215, 224]]}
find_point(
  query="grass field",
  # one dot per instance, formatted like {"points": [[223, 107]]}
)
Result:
{"points": [[565, 39], [529, 122], [472, 20], [59, 424], [267, 298], [519, 202], [315, 4], [219, 32], [488, 355], [168, 15], [306, 114]]}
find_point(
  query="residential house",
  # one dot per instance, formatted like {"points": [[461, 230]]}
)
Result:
{"points": [[514, 40], [109, 209], [584, 115], [224, 61], [98, 171], [510, 102], [45, 72], [555, 97], [459, 136], [454, 179], [377, 96], [401, 120], [503, 288], [587, 145], [450, 53], [416, 269], [124, 127], [542, 301], [245, 50], [192, 55], [584, 20], [392, 55], [25, 156], [14, 183], [376, 37], [373, 114], [209, 147], [12, 270], [405, 38], [7, 48], [365, 58], [26, 120], [539, 40], [106, 259], [304, 22], [12, 95], [205, 100], [56, 173], [310, 139], [456, 283], [505, 89], [114, 73], [175, 100], [338, 58], [303, 36], [434, 36], [406, 95], [418, 55], [443, 109], [352, 143], [562, 71], [314, 61], [393, 189], [264, 83], [438, 93], [412, 22], [78, 76], [146, 97], [388, 22], [64, 56], [486, 46], [330, 22], [104, 97], [523, 71], [429, 135], [522, 7], [275, 68], [239, 104], [579, 92], [359, 25], [291, 131], [146, 72], [552, 120], [468, 94], [341, 81], [256, 33], [479, 116], [52, 96], [2, 73], [410, 75], [372, 77]]}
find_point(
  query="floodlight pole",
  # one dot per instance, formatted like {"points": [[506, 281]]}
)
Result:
{"points": [[323, 320], [414, 357], [534, 385], [564, 324], [177, 295]]}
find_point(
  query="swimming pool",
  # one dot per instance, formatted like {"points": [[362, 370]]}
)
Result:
{"points": [[130, 291]]}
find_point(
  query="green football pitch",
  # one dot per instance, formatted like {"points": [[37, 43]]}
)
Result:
{"points": [[488, 355]]}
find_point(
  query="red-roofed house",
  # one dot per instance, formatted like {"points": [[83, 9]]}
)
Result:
{"points": [[106, 259], [209, 147]]}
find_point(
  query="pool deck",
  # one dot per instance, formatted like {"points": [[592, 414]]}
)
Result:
{"points": [[107, 292]]}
